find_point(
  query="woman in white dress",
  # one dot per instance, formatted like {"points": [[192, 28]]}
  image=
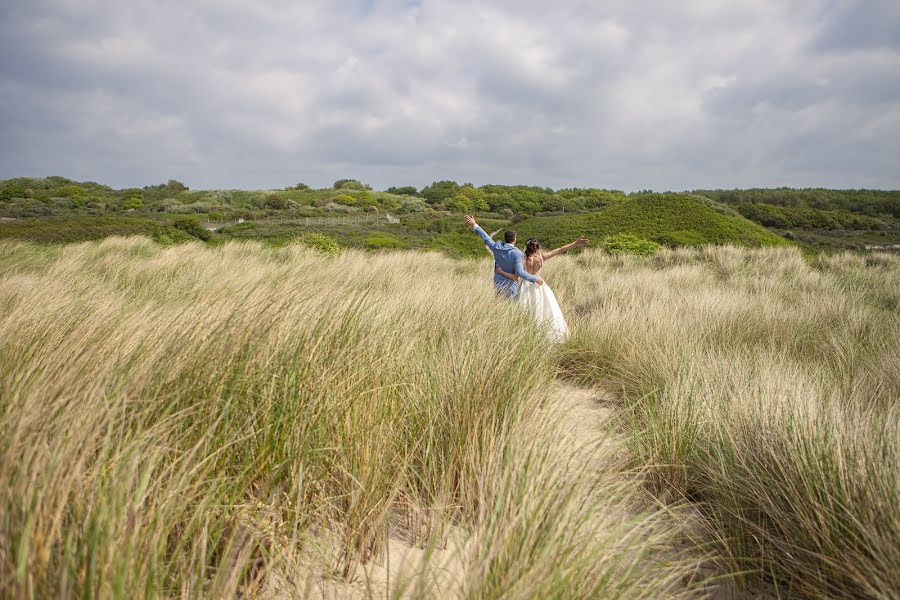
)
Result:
{"points": [[539, 300]]}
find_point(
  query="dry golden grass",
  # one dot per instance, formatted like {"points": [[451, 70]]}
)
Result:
{"points": [[194, 421], [763, 388]]}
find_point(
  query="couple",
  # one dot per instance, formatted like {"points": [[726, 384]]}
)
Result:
{"points": [[517, 275]]}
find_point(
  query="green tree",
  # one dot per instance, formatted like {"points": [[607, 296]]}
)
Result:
{"points": [[173, 185], [553, 204], [406, 190], [350, 184], [440, 191], [477, 198], [468, 199], [459, 204]]}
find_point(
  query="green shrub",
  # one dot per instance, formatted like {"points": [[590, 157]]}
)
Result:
{"points": [[439, 226], [319, 243], [196, 207], [276, 202], [77, 229], [413, 206], [168, 235], [345, 199], [680, 238], [69, 191], [628, 243], [384, 241], [334, 207], [193, 228], [365, 200]]}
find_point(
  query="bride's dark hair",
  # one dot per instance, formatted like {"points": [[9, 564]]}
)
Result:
{"points": [[532, 246]]}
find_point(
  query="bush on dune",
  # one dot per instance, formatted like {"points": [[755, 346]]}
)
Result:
{"points": [[671, 219], [629, 244], [76, 229], [383, 241], [193, 228], [319, 243]]}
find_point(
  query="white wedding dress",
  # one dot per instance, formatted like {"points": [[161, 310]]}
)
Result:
{"points": [[540, 301]]}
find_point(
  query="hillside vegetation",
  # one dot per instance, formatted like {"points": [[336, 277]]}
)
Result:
{"points": [[879, 204], [670, 219], [352, 214]]}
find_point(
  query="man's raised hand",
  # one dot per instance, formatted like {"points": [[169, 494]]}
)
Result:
{"points": [[471, 221], [581, 241]]}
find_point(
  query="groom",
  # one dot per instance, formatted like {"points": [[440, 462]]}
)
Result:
{"points": [[508, 257]]}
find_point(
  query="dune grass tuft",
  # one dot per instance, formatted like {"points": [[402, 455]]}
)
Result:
{"points": [[764, 389]]}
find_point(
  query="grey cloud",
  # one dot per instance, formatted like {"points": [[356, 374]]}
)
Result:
{"points": [[859, 24], [627, 94]]}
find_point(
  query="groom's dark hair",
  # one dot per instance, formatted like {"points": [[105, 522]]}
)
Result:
{"points": [[509, 236]]}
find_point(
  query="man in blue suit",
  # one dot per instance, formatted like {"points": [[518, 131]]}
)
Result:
{"points": [[508, 257]]}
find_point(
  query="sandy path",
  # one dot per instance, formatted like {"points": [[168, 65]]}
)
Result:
{"points": [[580, 415], [585, 442]]}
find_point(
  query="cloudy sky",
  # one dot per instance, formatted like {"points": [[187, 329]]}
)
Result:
{"points": [[625, 94]]}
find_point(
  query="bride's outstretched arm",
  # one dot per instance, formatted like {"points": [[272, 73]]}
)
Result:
{"points": [[563, 249], [500, 271]]}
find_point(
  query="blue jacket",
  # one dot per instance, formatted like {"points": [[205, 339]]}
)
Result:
{"points": [[510, 260]]}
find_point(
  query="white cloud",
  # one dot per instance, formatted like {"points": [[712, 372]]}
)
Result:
{"points": [[623, 93]]}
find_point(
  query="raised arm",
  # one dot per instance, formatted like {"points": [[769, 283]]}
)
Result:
{"points": [[484, 236], [563, 249], [488, 248]]}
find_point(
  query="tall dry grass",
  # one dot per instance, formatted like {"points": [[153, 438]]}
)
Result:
{"points": [[764, 388], [194, 422]]}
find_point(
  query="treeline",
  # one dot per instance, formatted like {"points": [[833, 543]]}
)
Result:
{"points": [[784, 208], [58, 196], [802, 217], [875, 203], [514, 199]]}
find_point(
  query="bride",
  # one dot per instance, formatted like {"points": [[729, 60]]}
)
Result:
{"points": [[539, 300]]}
